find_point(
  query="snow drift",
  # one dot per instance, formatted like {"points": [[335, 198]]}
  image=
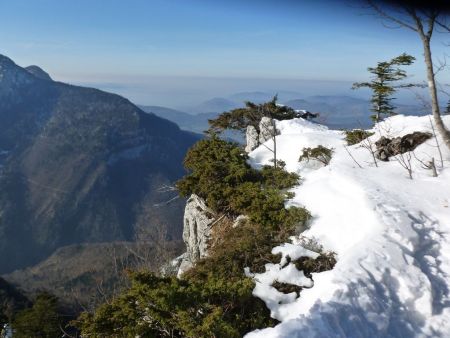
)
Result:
{"points": [[391, 235]]}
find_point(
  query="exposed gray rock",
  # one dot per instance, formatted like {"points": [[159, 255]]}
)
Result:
{"points": [[256, 137], [198, 219], [387, 147], [266, 129], [252, 138]]}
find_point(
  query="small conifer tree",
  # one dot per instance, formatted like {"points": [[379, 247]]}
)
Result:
{"points": [[447, 109], [251, 115], [41, 320], [384, 75]]}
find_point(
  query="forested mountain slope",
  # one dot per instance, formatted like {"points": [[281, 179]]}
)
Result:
{"points": [[80, 165]]}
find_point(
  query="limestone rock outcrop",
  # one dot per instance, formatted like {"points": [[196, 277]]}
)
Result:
{"points": [[252, 138], [255, 137], [198, 219]]}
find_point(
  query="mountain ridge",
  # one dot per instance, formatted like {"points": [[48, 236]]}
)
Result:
{"points": [[82, 165]]}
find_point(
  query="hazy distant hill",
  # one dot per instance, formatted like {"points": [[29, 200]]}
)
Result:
{"points": [[80, 165], [195, 123], [336, 111], [214, 105], [259, 97], [345, 111]]}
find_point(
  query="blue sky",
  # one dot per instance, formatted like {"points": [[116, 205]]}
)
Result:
{"points": [[132, 43]]}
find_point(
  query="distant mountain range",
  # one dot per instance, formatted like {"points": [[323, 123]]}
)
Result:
{"points": [[80, 165], [339, 111], [214, 105], [196, 123]]}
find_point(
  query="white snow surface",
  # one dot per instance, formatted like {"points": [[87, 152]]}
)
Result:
{"points": [[391, 235]]}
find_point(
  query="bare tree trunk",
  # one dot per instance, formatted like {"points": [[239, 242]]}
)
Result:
{"points": [[437, 143], [378, 114], [445, 133], [274, 143], [433, 167], [423, 25]]}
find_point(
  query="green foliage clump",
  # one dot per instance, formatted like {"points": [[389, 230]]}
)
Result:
{"points": [[277, 177], [216, 168], [41, 320], [170, 307], [251, 115], [266, 207], [248, 245], [214, 298], [320, 153], [220, 174], [356, 136]]}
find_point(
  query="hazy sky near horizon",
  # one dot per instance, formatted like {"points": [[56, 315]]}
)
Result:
{"points": [[150, 49]]}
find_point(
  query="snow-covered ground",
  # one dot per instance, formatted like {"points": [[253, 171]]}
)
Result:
{"points": [[391, 235]]}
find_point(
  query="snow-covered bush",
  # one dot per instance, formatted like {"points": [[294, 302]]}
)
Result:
{"points": [[356, 136], [319, 153], [324, 262]]}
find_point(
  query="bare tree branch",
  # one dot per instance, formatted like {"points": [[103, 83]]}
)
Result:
{"points": [[354, 160], [405, 161], [387, 16]]}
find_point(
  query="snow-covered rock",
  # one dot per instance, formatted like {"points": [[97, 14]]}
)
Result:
{"points": [[198, 219], [391, 235]]}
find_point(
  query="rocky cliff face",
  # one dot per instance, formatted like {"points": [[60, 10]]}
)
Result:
{"points": [[255, 137], [198, 219]]}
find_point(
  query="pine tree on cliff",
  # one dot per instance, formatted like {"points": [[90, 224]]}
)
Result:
{"points": [[385, 74], [251, 115]]}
